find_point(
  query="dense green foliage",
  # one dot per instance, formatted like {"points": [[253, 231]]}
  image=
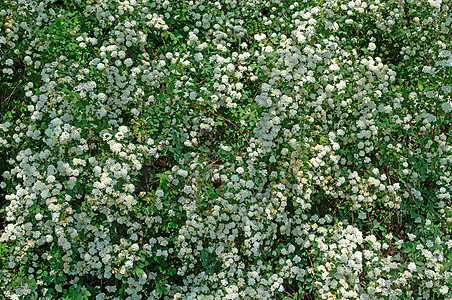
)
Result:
{"points": [[175, 149]]}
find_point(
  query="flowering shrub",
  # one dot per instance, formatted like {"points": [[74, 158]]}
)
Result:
{"points": [[226, 149]]}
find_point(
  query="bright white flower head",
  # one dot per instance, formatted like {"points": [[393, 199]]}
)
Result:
{"points": [[447, 107], [371, 47], [159, 193], [198, 57], [128, 62]]}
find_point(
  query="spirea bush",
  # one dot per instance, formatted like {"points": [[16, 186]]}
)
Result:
{"points": [[254, 149]]}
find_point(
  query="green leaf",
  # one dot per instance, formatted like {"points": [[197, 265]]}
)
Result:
{"points": [[420, 87], [49, 292], [204, 149], [58, 288], [376, 224], [61, 278]]}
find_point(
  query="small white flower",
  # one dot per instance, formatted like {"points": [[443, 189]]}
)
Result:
{"points": [[362, 215], [100, 66], [122, 270], [198, 57], [259, 37], [444, 289], [121, 54], [182, 173], [334, 67], [447, 107], [336, 146], [412, 95], [119, 136], [128, 62], [51, 179], [341, 85], [371, 47], [427, 69], [240, 170], [38, 216], [101, 97], [106, 136], [159, 193]]}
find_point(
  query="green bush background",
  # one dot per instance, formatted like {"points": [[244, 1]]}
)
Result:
{"points": [[229, 149]]}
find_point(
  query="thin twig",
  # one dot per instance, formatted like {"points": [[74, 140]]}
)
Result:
{"points": [[12, 93]]}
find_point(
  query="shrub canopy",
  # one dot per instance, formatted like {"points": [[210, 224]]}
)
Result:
{"points": [[176, 149]]}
